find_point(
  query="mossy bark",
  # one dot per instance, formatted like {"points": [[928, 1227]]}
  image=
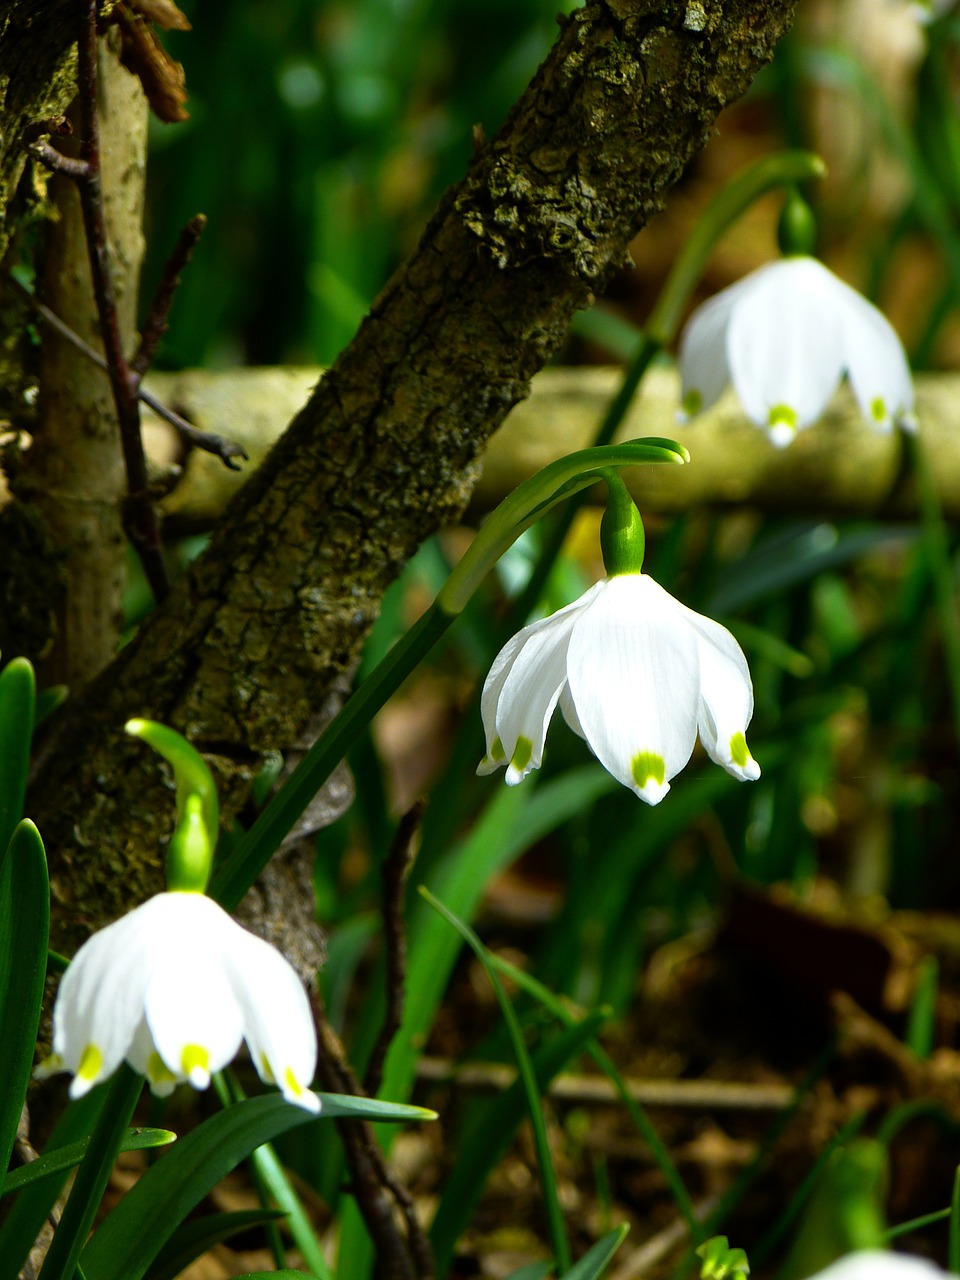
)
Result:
{"points": [[386, 449]]}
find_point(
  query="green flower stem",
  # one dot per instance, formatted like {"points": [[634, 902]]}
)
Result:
{"points": [[191, 847], [786, 168], [530, 500], [516, 513], [622, 539], [783, 169], [92, 1176]]}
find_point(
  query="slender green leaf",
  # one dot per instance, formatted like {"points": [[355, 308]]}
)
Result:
{"points": [[286, 1273], [122, 1094], [489, 1131], [17, 708], [132, 1235], [64, 1158], [530, 1085], [515, 819], [636, 1112], [532, 1271], [24, 927], [953, 1246], [194, 1238], [270, 1179], [594, 1261], [30, 1209]]}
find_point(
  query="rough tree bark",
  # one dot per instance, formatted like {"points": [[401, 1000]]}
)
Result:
{"points": [[384, 452]]}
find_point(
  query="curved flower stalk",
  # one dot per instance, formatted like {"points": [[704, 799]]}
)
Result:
{"points": [[878, 1264], [785, 335], [172, 988], [636, 674]]}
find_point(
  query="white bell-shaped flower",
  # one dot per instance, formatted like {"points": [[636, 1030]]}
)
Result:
{"points": [[878, 1264], [784, 336], [636, 674], [173, 987]]}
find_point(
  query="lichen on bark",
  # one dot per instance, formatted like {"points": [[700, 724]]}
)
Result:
{"points": [[386, 449]]}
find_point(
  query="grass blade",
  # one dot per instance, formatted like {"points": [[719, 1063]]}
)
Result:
{"points": [[24, 929], [531, 1088]]}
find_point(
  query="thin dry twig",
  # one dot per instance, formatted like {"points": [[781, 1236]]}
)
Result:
{"points": [[394, 873], [156, 323], [706, 1095], [139, 515], [222, 448]]}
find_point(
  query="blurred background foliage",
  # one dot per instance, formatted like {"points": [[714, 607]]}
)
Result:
{"points": [[321, 135]]}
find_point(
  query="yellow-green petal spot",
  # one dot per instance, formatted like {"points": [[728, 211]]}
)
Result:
{"points": [[522, 753], [497, 753], [293, 1084], [783, 415], [91, 1063], [878, 409], [266, 1071], [195, 1058], [647, 766], [158, 1073], [739, 752], [692, 402]]}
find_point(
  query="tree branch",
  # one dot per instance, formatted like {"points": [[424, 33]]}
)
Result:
{"points": [[386, 450]]}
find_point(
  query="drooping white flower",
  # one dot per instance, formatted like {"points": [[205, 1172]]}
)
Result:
{"points": [[784, 336], [878, 1264], [173, 987], [636, 674]]}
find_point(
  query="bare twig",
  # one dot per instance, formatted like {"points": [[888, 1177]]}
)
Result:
{"points": [[704, 1095], [222, 448], [378, 1191], [156, 323], [394, 872]]}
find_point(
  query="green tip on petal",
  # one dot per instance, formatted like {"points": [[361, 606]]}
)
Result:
{"points": [[195, 1065], [522, 753], [878, 409], [91, 1063], [647, 767], [781, 415], [497, 753], [739, 753], [692, 402]]}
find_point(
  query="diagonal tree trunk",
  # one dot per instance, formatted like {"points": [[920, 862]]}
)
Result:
{"points": [[275, 612]]}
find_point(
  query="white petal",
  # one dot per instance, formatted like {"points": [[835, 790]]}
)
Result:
{"points": [[784, 343], [143, 1056], [529, 693], [633, 672], [726, 698], [877, 1264], [100, 1001], [704, 371], [278, 1023], [875, 361], [191, 1011]]}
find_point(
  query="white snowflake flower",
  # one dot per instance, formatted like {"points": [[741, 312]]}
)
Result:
{"points": [[784, 336], [636, 674], [878, 1264], [173, 987]]}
